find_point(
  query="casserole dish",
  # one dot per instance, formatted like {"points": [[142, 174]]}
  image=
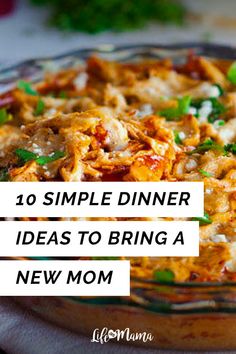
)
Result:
{"points": [[179, 315]]}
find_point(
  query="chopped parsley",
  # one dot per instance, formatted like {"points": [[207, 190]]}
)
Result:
{"points": [[42, 160], [230, 148], [178, 140], [220, 88], [175, 113], [221, 123], [4, 116], [211, 145], [206, 146], [231, 74], [217, 107], [62, 94], [164, 276], [205, 173], [205, 220], [26, 87], [39, 108], [25, 156]]}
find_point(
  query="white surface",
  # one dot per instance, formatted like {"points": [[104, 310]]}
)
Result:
{"points": [[24, 34]]}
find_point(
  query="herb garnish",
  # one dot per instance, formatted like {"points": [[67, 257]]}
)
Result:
{"points": [[217, 107], [211, 145], [231, 74], [26, 87], [230, 148], [176, 112], [63, 94], [25, 156], [206, 146], [221, 123], [220, 88], [178, 140], [42, 160], [39, 108], [205, 173], [164, 276], [205, 220], [4, 116]]}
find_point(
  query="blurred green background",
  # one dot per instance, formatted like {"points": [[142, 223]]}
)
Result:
{"points": [[99, 15]]}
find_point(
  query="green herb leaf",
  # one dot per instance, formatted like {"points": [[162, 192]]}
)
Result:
{"points": [[178, 140], [26, 87], [164, 276], [42, 160], [25, 156], [230, 148], [218, 108], [220, 88], [205, 220], [231, 74], [221, 123], [180, 110], [206, 146], [39, 108], [205, 173], [4, 116], [4, 175], [62, 94]]}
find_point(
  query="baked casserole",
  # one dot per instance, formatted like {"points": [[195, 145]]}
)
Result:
{"points": [[145, 120]]}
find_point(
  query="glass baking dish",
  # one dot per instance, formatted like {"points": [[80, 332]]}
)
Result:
{"points": [[183, 316]]}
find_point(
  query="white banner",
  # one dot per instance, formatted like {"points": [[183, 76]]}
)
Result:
{"points": [[65, 278], [99, 238], [101, 199]]}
